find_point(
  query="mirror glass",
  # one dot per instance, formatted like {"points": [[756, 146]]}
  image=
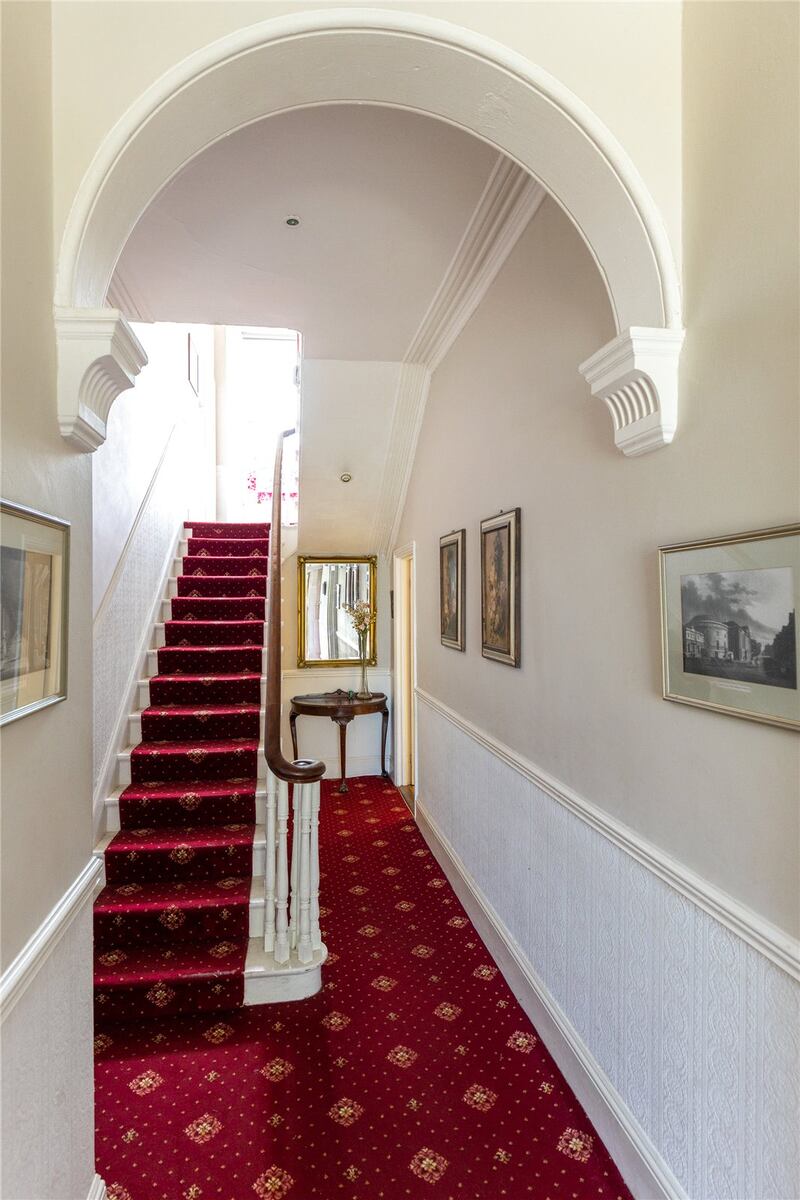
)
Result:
{"points": [[326, 587]]}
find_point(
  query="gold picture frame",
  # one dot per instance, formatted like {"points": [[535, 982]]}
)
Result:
{"points": [[336, 580], [34, 617], [728, 624]]}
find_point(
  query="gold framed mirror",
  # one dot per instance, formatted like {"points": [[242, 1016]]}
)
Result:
{"points": [[325, 585]]}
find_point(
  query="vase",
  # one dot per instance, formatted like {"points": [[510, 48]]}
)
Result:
{"points": [[363, 692]]}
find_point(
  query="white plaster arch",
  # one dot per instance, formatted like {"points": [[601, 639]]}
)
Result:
{"points": [[428, 66]]}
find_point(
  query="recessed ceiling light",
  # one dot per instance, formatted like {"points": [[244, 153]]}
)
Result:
{"points": [[346, 477], [292, 221]]}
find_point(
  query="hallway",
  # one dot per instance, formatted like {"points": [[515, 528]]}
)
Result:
{"points": [[413, 1073]]}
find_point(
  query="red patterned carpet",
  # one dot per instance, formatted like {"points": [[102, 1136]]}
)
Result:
{"points": [[413, 1074], [171, 926]]}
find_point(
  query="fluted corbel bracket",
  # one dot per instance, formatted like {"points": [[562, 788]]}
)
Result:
{"points": [[99, 356], [636, 375]]}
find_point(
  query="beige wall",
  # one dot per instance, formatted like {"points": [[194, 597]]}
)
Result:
{"points": [[509, 422], [106, 54], [46, 768]]}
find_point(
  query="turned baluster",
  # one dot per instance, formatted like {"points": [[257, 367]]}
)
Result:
{"points": [[282, 876]]}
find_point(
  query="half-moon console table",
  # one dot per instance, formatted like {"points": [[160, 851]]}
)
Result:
{"points": [[341, 709]]}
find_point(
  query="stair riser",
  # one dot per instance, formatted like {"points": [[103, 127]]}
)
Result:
{"points": [[179, 865], [231, 529], [195, 692], [212, 633], [255, 866], [181, 727], [132, 1003], [199, 662], [216, 608], [197, 566], [166, 813], [182, 926], [231, 586], [152, 769], [228, 547]]}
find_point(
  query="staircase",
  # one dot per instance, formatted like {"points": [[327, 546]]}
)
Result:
{"points": [[180, 925]]}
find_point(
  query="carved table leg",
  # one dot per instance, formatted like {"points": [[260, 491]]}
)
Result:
{"points": [[293, 730], [343, 722], [384, 727]]}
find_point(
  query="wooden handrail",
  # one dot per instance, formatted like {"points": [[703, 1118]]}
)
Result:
{"points": [[303, 770]]}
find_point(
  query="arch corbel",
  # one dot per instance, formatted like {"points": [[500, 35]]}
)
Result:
{"points": [[398, 59]]}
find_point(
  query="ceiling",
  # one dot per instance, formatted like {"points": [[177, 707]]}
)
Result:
{"points": [[383, 197]]}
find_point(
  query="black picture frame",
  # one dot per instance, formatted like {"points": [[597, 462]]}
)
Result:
{"points": [[452, 589], [500, 587]]}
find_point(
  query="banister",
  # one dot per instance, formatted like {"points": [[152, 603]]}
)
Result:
{"points": [[303, 770]]}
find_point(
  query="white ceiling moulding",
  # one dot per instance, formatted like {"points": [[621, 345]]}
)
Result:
{"points": [[636, 375], [99, 356], [126, 296], [406, 60], [509, 201], [409, 409]]}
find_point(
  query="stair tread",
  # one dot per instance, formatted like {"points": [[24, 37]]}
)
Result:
{"points": [[227, 677], [169, 836], [211, 621], [217, 746], [189, 710], [178, 788], [140, 898], [150, 964]]}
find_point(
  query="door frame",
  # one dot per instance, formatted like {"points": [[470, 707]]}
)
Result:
{"points": [[402, 557]]}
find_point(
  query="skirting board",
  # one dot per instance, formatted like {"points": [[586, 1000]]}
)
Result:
{"points": [[642, 1167], [98, 1189], [20, 973]]}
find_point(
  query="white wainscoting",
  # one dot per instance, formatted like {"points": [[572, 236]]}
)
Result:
{"points": [[692, 1031], [318, 738], [46, 1033]]}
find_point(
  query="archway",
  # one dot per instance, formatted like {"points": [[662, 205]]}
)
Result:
{"points": [[387, 58]]}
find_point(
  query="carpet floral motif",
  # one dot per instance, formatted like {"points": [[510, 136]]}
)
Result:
{"points": [[409, 1077]]}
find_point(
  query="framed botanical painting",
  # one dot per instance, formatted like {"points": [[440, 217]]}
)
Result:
{"points": [[34, 585], [452, 576], [500, 626], [728, 628]]}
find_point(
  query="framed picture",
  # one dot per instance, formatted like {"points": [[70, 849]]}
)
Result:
{"points": [[728, 629], [34, 586], [500, 626], [452, 576]]}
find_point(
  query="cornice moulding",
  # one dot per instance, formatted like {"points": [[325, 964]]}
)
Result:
{"points": [[509, 200], [636, 376], [99, 356]]}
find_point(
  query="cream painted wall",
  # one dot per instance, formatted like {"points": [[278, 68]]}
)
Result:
{"points": [[139, 425], [106, 55], [46, 769], [509, 423]]}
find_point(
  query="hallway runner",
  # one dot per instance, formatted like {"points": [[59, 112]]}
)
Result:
{"points": [[413, 1074], [172, 925]]}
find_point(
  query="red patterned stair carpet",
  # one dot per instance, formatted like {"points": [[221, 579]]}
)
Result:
{"points": [[412, 1074], [171, 926]]}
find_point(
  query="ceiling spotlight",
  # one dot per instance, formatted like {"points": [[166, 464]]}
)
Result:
{"points": [[345, 477], [292, 221]]}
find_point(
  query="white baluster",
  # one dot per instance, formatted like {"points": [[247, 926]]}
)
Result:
{"points": [[305, 952], [293, 909], [282, 877], [270, 863], [316, 936]]}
